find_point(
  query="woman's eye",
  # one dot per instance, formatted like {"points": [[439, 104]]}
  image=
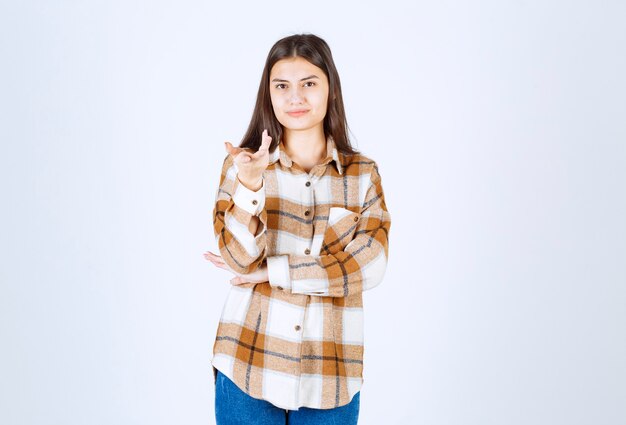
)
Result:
{"points": [[280, 86], [309, 84]]}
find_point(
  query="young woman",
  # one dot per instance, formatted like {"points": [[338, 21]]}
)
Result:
{"points": [[301, 221]]}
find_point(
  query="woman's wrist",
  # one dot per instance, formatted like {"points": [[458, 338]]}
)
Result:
{"points": [[253, 184]]}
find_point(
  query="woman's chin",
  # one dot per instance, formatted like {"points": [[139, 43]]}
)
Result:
{"points": [[295, 125]]}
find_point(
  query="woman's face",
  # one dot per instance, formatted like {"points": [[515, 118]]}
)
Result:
{"points": [[299, 93]]}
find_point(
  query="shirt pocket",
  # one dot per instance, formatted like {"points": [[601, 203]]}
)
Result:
{"points": [[340, 229]]}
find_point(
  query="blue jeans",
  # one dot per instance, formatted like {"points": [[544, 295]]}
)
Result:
{"points": [[235, 407]]}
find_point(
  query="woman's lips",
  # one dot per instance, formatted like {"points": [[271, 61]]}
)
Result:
{"points": [[297, 113]]}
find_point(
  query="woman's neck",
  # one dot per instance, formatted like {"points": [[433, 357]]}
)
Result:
{"points": [[305, 147]]}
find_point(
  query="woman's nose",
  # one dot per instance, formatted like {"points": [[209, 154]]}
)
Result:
{"points": [[295, 96]]}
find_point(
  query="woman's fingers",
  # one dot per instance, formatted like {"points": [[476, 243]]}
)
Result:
{"points": [[218, 263], [257, 276], [243, 156], [223, 267], [235, 150], [230, 149], [216, 259], [209, 254], [266, 141]]}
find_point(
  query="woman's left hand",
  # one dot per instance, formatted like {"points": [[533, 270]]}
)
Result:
{"points": [[257, 276]]}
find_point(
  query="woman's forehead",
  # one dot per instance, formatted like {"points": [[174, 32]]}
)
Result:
{"points": [[295, 68]]}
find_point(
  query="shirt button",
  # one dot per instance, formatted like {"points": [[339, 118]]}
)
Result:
{"points": [[297, 327], [307, 212], [254, 202], [356, 218], [307, 184], [307, 251]]}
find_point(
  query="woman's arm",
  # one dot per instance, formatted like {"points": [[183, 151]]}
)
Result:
{"points": [[239, 221], [358, 267]]}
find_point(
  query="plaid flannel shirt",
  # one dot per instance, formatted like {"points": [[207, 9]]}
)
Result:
{"points": [[297, 340]]}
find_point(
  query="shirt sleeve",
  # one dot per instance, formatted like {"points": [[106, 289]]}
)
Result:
{"points": [[358, 267], [235, 205]]}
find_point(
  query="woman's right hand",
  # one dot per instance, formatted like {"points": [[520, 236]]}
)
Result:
{"points": [[258, 276], [251, 165]]}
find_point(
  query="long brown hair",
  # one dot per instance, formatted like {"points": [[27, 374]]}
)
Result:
{"points": [[316, 51]]}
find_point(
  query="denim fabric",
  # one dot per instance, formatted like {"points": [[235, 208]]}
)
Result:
{"points": [[235, 407]]}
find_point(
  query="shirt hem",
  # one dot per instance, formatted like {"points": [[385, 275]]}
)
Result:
{"points": [[228, 373]]}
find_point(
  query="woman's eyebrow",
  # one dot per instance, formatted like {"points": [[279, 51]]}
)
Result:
{"points": [[278, 80]]}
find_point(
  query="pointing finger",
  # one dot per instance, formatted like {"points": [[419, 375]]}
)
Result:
{"points": [[266, 141]]}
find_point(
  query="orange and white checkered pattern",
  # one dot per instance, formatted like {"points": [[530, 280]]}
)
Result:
{"points": [[297, 340]]}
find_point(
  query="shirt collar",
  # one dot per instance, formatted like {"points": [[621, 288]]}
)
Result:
{"points": [[332, 155]]}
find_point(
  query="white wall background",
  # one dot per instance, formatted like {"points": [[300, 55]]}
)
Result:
{"points": [[500, 131]]}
